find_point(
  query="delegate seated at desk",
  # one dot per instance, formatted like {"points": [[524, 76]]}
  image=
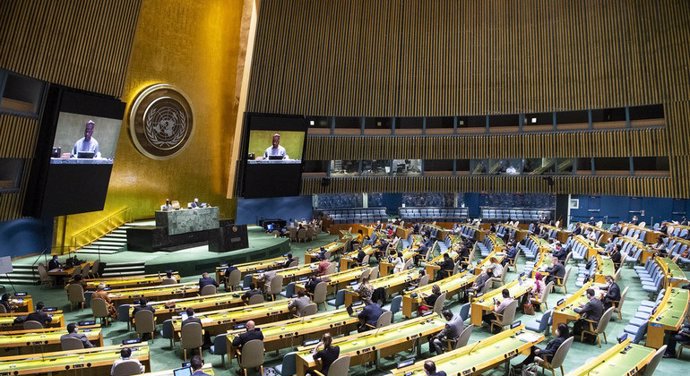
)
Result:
{"points": [[275, 150], [87, 143]]}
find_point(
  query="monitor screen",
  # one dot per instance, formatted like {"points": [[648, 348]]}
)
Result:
{"points": [[273, 148], [85, 139], [185, 371]]}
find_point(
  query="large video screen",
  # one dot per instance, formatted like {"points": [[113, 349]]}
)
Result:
{"points": [[273, 157], [75, 152]]}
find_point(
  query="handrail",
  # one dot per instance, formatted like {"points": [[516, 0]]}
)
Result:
{"points": [[100, 228]]}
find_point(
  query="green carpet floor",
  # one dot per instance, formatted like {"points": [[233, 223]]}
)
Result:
{"points": [[162, 357]]}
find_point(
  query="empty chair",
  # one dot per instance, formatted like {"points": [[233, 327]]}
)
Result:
{"points": [[208, 290], [233, 281], [373, 273], [289, 365], [46, 280], [600, 327], [651, 366], [542, 323], [506, 317], [75, 295], [191, 338], [438, 304], [339, 367], [127, 368], [276, 287], [220, 346], [144, 322], [563, 282], [32, 325], [557, 361], [319, 296], [465, 311], [309, 309], [464, 337], [252, 356], [94, 269], [339, 299], [69, 343], [256, 299]]}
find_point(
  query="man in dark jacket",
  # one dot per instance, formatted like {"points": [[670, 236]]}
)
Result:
{"points": [[556, 270], [250, 334], [446, 265], [613, 292], [206, 280], [451, 332], [591, 311], [369, 315], [39, 315]]}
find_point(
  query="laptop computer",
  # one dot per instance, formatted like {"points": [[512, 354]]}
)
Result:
{"points": [[275, 158], [86, 154], [184, 371]]}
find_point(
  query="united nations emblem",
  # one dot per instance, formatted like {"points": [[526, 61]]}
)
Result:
{"points": [[160, 121]]}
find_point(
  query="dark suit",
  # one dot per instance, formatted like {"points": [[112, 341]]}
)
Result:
{"points": [[360, 256], [557, 270], [79, 336], [327, 356], [8, 307], [446, 265], [144, 308], [591, 311], [200, 373], [39, 316], [369, 315], [54, 264], [207, 281], [247, 336], [561, 254], [613, 294]]}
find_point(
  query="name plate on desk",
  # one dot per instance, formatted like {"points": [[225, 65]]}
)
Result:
{"points": [[188, 220]]}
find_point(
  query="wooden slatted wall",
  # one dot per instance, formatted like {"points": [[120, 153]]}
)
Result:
{"points": [[480, 57], [83, 44]]}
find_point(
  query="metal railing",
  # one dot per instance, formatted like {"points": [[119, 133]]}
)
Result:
{"points": [[100, 228]]}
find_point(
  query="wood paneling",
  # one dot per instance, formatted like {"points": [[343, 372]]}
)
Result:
{"points": [[83, 44], [618, 143], [18, 135]]}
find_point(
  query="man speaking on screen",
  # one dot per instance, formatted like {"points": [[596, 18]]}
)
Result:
{"points": [[275, 151], [87, 144]]}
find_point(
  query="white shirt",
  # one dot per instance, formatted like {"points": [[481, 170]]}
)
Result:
{"points": [[275, 152], [90, 146]]}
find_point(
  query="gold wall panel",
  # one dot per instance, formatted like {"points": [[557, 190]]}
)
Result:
{"points": [[83, 44], [18, 135], [618, 143], [193, 46]]}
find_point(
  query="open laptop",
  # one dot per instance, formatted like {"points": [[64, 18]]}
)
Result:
{"points": [[184, 371], [275, 157], [86, 154]]}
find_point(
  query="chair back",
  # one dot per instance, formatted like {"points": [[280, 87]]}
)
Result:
{"points": [[566, 275], [276, 285], [332, 268], [3, 309], [191, 336], [464, 336], [168, 281], [438, 304], [208, 290], [651, 366], [293, 263], [302, 234], [145, 322], [234, 279], [619, 305], [75, 293], [339, 367], [559, 356], [486, 288], [77, 270], [256, 299], [509, 313], [99, 307], [289, 365], [385, 319], [604, 321], [32, 324], [396, 303], [320, 292], [309, 309], [85, 271], [365, 260], [465, 311], [43, 273], [252, 354], [366, 273], [545, 320], [423, 281], [547, 291], [69, 343], [220, 344], [94, 268], [127, 368], [373, 273]]}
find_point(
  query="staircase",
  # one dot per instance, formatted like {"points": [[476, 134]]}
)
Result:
{"points": [[123, 269], [21, 275], [110, 243]]}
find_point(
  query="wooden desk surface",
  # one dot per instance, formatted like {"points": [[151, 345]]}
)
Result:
{"points": [[290, 274], [125, 282], [669, 316], [448, 285], [7, 320], [333, 248], [485, 302], [46, 336], [476, 357], [251, 267], [293, 332], [22, 303], [207, 368], [63, 272], [565, 312], [199, 303], [391, 283], [605, 267], [269, 311], [127, 295], [675, 276], [339, 279], [365, 345], [100, 358], [617, 361]]}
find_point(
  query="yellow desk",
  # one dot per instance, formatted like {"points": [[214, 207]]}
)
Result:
{"points": [[477, 357], [289, 274], [393, 283], [674, 276], [165, 310], [22, 303], [96, 361], [544, 261], [251, 267], [561, 234], [377, 343], [349, 260], [333, 248], [605, 267], [339, 280], [432, 266], [450, 286], [45, 340], [293, 332], [498, 255], [207, 368], [386, 268], [617, 361], [221, 320], [669, 316], [125, 282], [167, 292], [485, 303], [565, 312], [62, 272], [7, 320]]}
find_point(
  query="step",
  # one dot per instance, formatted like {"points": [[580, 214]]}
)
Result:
{"points": [[122, 268], [117, 235], [102, 247], [114, 264], [95, 252], [122, 274], [113, 240]]}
